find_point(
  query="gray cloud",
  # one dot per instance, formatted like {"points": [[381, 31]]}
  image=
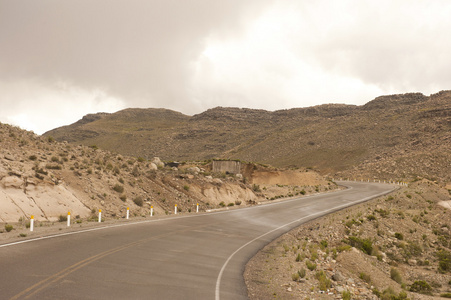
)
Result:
{"points": [[62, 59]]}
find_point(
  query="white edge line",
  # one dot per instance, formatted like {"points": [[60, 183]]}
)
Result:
{"points": [[157, 220], [218, 281]]}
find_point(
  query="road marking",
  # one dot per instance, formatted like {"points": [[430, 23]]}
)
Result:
{"points": [[161, 220], [39, 286], [221, 272]]}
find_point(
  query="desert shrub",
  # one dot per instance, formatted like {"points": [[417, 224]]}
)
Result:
{"points": [[445, 295], [237, 202], [62, 218], [295, 276], [346, 295], [222, 204], [399, 236], [186, 187], [324, 282], [141, 159], [323, 244], [53, 167], [8, 227], [395, 275], [138, 201], [256, 188], [299, 257], [302, 273], [444, 261], [310, 265], [118, 188], [123, 198], [366, 245], [32, 157], [382, 212], [231, 204], [422, 287], [371, 218], [365, 277]]}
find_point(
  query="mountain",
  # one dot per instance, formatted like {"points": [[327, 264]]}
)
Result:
{"points": [[397, 136]]}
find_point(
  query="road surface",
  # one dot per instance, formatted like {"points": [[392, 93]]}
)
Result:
{"points": [[192, 256]]}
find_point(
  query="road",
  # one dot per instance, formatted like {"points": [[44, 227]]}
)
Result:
{"points": [[196, 256]]}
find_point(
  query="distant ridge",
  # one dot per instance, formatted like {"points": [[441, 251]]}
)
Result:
{"points": [[407, 133]]}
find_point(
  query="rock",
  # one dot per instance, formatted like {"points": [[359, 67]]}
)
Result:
{"points": [[9, 157], [153, 166], [12, 182], [412, 262], [289, 289], [157, 162], [239, 176], [337, 276]]}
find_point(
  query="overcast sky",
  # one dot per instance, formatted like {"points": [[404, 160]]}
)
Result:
{"points": [[60, 60]]}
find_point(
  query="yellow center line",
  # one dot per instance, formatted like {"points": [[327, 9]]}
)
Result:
{"points": [[32, 290]]}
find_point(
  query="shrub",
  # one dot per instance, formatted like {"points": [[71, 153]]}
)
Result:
{"points": [[395, 275], [138, 201], [299, 257], [444, 261], [123, 198], [365, 277], [231, 204], [371, 218], [32, 157], [222, 204], [324, 282], [422, 287], [346, 295], [302, 273], [399, 236], [186, 187], [310, 265], [8, 227], [118, 188], [237, 202], [295, 276], [445, 295], [256, 188], [366, 245]]}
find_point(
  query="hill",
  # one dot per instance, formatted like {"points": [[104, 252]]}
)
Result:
{"points": [[47, 179], [398, 136]]}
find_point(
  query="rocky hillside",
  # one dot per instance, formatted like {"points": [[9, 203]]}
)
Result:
{"points": [[47, 179], [398, 136], [395, 247]]}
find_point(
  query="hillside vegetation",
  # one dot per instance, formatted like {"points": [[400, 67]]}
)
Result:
{"points": [[398, 136], [45, 178]]}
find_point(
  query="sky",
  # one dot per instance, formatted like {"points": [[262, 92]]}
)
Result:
{"points": [[61, 60]]}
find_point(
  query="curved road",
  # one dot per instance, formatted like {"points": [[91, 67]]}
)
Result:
{"points": [[186, 257]]}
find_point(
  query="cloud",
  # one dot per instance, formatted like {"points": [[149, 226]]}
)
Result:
{"points": [[34, 106], [62, 59]]}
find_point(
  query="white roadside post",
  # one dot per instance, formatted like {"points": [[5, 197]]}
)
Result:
{"points": [[197, 207], [100, 215], [128, 212], [151, 211], [175, 210], [68, 218], [31, 223]]}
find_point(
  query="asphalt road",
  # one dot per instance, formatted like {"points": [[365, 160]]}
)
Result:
{"points": [[198, 256]]}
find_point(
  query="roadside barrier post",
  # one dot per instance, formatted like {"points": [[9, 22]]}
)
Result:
{"points": [[197, 207], [175, 210], [68, 218], [31, 223], [100, 215], [151, 211], [128, 212]]}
